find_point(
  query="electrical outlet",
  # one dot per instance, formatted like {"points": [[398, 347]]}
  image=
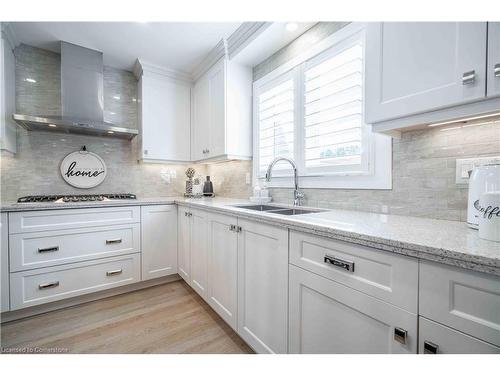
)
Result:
{"points": [[247, 178], [465, 166]]}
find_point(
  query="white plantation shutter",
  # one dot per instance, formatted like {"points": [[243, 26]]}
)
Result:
{"points": [[333, 110], [311, 109], [275, 106]]}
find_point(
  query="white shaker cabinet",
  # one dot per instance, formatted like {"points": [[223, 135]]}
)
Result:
{"points": [[435, 338], [223, 267], [159, 240], [164, 118], [416, 67], [8, 129], [493, 65], [327, 317], [222, 113], [4, 263], [263, 286], [184, 243], [199, 256]]}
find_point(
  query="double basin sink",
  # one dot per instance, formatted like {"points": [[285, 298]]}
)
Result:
{"points": [[280, 210]]}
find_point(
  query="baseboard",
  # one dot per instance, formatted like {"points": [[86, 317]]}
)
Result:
{"points": [[9, 316]]}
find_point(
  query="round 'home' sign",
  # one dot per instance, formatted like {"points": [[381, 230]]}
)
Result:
{"points": [[83, 169]]}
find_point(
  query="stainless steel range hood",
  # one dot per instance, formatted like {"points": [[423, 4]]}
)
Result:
{"points": [[82, 98]]}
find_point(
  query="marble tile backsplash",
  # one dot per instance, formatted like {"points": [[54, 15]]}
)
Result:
{"points": [[34, 169], [423, 171]]}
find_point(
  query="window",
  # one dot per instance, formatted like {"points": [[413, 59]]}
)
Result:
{"points": [[313, 113], [276, 121]]}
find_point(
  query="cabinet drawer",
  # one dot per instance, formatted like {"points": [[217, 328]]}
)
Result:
{"points": [[35, 287], [36, 221], [326, 317], [390, 277], [435, 338], [465, 300], [44, 249]]}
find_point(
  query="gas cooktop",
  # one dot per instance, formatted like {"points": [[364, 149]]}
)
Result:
{"points": [[74, 198]]}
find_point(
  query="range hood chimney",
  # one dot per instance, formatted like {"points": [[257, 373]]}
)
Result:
{"points": [[82, 104]]}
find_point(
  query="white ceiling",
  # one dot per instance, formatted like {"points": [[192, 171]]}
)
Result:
{"points": [[176, 45], [275, 37]]}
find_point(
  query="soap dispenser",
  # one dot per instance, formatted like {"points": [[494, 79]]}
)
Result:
{"points": [[208, 188]]}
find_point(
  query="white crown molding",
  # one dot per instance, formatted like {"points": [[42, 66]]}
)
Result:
{"points": [[230, 47], [142, 67], [10, 35], [244, 35]]}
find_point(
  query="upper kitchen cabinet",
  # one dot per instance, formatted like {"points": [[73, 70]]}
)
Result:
{"points": [[426, 72], [7, 96], [222, 113], [164, 115], [493, 66]]}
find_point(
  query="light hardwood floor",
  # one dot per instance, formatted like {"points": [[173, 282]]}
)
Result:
{"points": [[169, 318]]}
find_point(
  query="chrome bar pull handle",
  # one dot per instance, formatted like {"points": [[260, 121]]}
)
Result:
{"points": [[337, 262], [48, 285], [48, 249], [430, 347], [496, 70], [110, 242], [468, 78], [113, 273], [400, 335]]}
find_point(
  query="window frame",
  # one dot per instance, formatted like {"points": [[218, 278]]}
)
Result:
{"points": [[376, 167]]}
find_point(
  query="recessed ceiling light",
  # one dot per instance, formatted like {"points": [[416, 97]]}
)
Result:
{"points": [[111, 132], [30, 80], [291, 26], [116, 97], [52, 126]]}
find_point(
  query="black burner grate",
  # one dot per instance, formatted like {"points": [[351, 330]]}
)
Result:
{"points": [[75, 198]]}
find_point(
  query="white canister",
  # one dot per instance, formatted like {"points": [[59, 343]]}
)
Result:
{"points": [[489, 219], [484, 178]]}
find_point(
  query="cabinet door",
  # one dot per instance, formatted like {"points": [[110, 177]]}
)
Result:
{"points": [[217, 103], [415, 67], [4, 263], [329, 318], [493, 69], [263, 286], [201, 119], [159, 241], [435, 338], [222, 267], [184, 244], [199, 266], [165, 113]]}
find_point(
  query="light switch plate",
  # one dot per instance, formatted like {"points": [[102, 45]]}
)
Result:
{"points": [[465, 165]]}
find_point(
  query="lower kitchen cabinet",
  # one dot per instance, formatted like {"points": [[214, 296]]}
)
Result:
{"points": [[4, 263], [49, 284], [435, 338], [222, 266], [328, 317], [184, 243], [199, 257], [263, 286], [159, 241]]}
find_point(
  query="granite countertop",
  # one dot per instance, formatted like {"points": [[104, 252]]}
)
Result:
{"points": [[443, 241]]}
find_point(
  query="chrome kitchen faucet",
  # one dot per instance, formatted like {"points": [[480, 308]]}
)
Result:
{"points": [[297, 195]]}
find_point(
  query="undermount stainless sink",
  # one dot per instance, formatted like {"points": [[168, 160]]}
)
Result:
{"points": [[261, 207], [280, 210]]}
